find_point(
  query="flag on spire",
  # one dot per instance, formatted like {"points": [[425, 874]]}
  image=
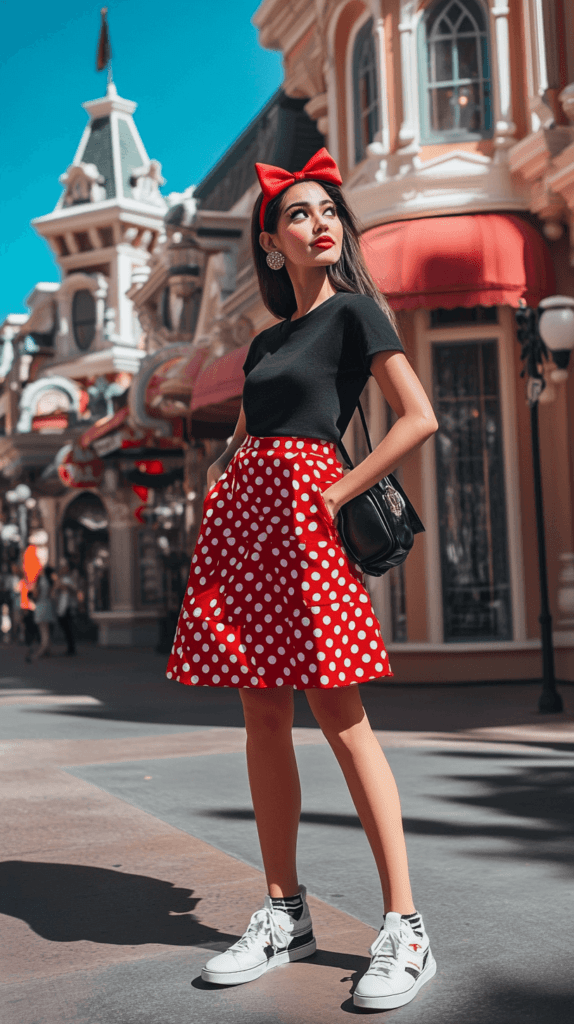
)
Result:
{"points": [[104, 53]]}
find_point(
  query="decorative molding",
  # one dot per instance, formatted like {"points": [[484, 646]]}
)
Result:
{"points": [[281, 25], [544, 160], [318, 110], [137, 396], [409, 131], [83, 184], [33, 392], [457, 181], [146, 182]]}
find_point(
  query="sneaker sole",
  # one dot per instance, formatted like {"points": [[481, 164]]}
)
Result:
{"points": [[392, 1001], [240, 977]]}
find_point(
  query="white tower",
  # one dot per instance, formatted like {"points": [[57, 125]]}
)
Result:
{"points": [[106, 223]]}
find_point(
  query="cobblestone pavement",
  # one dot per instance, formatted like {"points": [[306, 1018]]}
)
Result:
{"points": [[129, 851]]}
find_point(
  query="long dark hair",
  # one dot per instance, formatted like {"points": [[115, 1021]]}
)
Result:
{"points": [[348, 274]]}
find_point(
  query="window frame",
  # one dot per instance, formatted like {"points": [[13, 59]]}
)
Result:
{"points": [[354, 117], [429, 135], [75, 323], [503, 334]]}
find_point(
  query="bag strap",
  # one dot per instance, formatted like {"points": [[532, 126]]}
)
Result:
{"points": [[366, 429]]}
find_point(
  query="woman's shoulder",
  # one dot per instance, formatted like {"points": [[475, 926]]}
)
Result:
{"points": [[266, 335], [360, 304], [259, 344]]}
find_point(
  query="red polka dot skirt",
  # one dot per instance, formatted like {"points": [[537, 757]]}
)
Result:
{"points": [[272, 598]]}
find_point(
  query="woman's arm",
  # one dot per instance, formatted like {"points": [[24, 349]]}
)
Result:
{"points": [[220, 465], [415, 424]]}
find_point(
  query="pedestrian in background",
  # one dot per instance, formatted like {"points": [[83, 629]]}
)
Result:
{"points": [[66, 597], [273, 602], [44, 616], [27, 606], [14, 579]]}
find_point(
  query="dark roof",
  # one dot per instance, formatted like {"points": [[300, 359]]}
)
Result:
{"points": [[98, 150], [281, 133]]}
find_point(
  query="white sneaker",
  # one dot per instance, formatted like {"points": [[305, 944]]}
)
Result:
{"points": [[272, 938], [401, 964]]}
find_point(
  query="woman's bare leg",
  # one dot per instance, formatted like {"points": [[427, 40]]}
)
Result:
{"points": [[44, 647], [342, 718], [274, 782]]}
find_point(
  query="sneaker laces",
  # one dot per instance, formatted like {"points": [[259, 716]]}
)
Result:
{"points": [[262, 921], [385, 953]]}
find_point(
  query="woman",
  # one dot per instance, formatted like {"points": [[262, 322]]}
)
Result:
{"points": [[272, 593], [65, 593], [43, 612]]}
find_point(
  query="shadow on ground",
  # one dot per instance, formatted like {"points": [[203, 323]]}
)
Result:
{"points": [[536, 801], [130, 685], [70, 902]]}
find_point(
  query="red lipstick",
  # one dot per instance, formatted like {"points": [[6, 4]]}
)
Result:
{"points": [[324, 242]]}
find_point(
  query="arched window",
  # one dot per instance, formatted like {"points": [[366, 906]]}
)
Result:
{"points": [[455, 72], [365, 90], [83, 318]]}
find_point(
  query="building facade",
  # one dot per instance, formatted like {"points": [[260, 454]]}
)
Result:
{"points": [[451, 121], [453, 124], [67, 368]]}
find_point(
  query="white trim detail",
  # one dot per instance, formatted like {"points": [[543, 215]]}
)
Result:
{"points": [[504, 126], [33, 392], [382, 146], [409, 133]]}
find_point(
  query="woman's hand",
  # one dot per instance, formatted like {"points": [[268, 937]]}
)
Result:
{"points": [[331, 506], [213, 473], [331, 502]]}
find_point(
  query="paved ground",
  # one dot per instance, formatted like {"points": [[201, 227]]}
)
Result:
{"points": [[129, 851]]}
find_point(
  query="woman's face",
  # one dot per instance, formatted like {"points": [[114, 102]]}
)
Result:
{"points": [[309, 232]]}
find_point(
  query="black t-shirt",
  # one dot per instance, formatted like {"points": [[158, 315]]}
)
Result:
{"points": [[303, 378]]}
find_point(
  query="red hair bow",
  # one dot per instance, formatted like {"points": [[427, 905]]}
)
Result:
{"points": [[273, 180]]}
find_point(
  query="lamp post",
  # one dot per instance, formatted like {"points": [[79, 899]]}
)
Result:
{"points": [[548, 329]]}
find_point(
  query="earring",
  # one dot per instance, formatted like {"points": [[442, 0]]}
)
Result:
{"points": [[275, 260]]}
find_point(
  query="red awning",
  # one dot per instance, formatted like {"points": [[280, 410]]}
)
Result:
{"points": [[480, 259], [219, 387]]}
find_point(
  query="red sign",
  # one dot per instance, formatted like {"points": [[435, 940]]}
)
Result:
{"points": [[80, 468], [103, 427]]}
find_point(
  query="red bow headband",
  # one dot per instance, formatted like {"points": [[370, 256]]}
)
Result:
{"points": [[273, 180]]}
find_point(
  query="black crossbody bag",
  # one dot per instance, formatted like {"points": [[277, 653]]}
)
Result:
{"points": [[378, 527]]}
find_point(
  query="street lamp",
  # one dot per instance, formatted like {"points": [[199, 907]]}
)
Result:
{"points": [[21, 496], [548, 329]]}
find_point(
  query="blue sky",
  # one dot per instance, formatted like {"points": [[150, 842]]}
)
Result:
{"points": [[195, 70]]}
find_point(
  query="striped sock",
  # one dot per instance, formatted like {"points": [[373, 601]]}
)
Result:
{"points": [[292, 905], [415, 922]]}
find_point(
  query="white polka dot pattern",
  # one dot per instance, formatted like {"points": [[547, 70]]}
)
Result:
{"points": [[272, 597]]}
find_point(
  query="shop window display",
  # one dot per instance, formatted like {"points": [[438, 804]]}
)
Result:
{"points": [[471, 492]]}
